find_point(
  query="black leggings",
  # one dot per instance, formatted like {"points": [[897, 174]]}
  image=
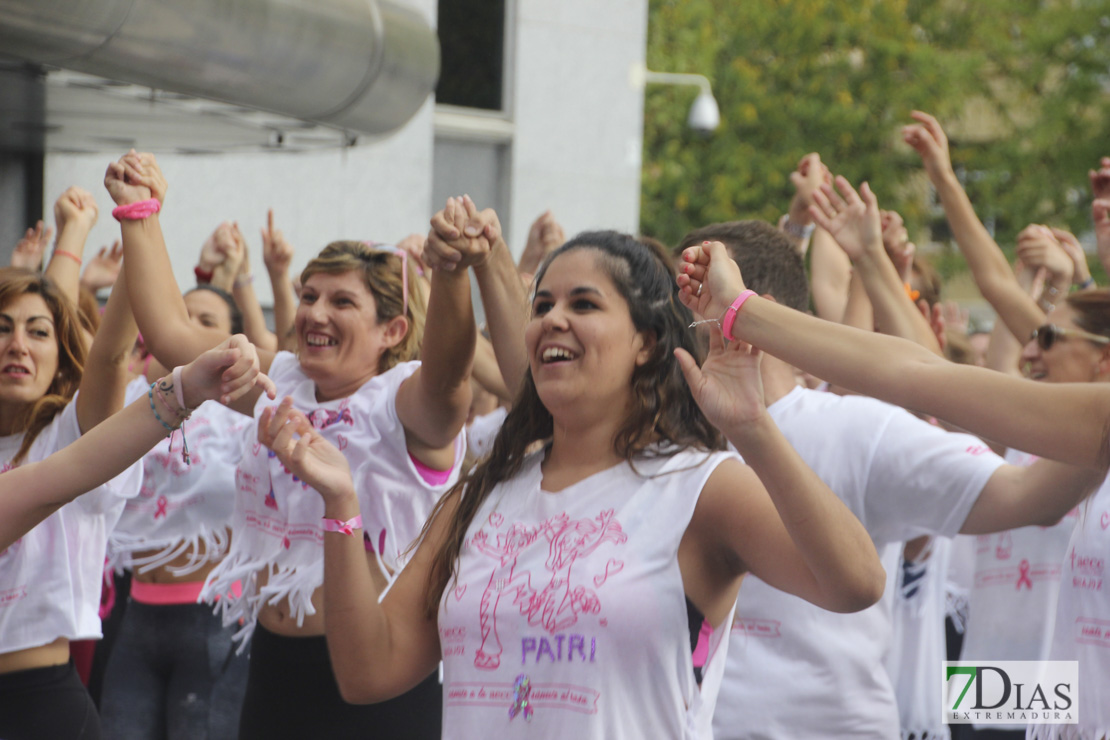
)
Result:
{"points": [[46, 702], [292, 693]]}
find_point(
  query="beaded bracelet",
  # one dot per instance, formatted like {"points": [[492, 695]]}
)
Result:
{"points": [[170, 429]]}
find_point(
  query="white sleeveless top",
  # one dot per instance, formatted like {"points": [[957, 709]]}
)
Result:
{"points": [[574, 601], [918, 641], [277, 519], [1082, 631], [50, 578], [1012, 603], [183, 507]]}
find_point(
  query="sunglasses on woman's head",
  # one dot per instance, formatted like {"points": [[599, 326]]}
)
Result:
{"points": [[1047, 335]]}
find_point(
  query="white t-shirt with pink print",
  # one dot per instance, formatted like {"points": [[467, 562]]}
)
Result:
{"points": [[1082, 631], [50, 578], [277, 524], [568, 618]]}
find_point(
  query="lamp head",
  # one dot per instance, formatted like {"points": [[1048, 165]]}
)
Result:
{"points": [[704, 116]]}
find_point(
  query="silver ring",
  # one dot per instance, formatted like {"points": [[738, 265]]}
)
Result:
{"points": [[700, 286]]}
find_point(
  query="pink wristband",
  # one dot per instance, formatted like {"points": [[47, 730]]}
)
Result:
{"points": [[137, 211], [730, 314], [178, 390], [343, 527]]}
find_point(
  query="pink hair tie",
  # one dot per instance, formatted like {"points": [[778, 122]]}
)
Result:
{"points": [[730, 314], [137, 211]]}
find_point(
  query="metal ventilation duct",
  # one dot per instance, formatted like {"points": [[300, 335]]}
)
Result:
{"points": [[359, 65]]}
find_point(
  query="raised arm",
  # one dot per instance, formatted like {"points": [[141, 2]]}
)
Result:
{"points": [[242, 289], [30, 249], [783, 523], [75, 213], [395, 636], [156, 301], [277, 255], [1072, 418], [32, 492], [434, 402], [853, 220], [104, 381], [807, 179], [988, 264], [501, 289]]}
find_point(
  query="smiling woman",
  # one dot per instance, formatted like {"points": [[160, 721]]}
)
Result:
{"points": [[398, 420], [607, 513]]}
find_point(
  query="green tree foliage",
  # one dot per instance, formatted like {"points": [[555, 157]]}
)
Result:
{"points": [[1023, 88]]}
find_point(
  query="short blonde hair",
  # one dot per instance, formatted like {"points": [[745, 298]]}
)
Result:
{"points": [[381, 271]]}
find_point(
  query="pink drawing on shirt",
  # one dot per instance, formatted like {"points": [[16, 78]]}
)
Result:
{"points": [[508, 546], [160, 511], [341, 441], [1104, 520], [271, 499], [616, 565], [560, 602]]}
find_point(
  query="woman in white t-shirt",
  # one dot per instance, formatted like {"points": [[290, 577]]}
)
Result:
{"points": [[560, 586], [359, 326], [173, 671], [50, 577], [1066, 421]]}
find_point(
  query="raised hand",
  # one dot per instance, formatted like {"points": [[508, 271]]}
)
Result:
{"points": [[303, 451], [1038, 247], [277, 253], [146, 170], [102, 270], [544, 236], [1070, 244], [224, 373], [29, 250], [851, 218], [124, 182], [1100, 179], [807, 180], [413, 245], [461, 235], [727, 387], [709, 280], [75, 207], [1100, 214], [929, 140], [896, 241]]}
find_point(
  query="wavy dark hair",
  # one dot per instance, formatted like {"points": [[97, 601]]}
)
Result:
{"points": [[664, 410], [72, 351]]}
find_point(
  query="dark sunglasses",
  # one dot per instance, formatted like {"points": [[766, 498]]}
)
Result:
{"points": [[1047, 335]]}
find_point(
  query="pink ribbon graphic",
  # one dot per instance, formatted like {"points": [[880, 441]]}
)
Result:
{"points": [[1023, 576], [160, 512]]}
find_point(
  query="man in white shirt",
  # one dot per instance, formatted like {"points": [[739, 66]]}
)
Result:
{"points": [[795, 670]]}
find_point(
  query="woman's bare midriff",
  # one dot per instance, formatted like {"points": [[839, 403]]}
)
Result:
{"points": [[278, 618], [43, 656]]}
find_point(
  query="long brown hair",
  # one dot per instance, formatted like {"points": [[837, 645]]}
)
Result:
{"points": [[15, 282], [381, 272], [664, 410]]}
